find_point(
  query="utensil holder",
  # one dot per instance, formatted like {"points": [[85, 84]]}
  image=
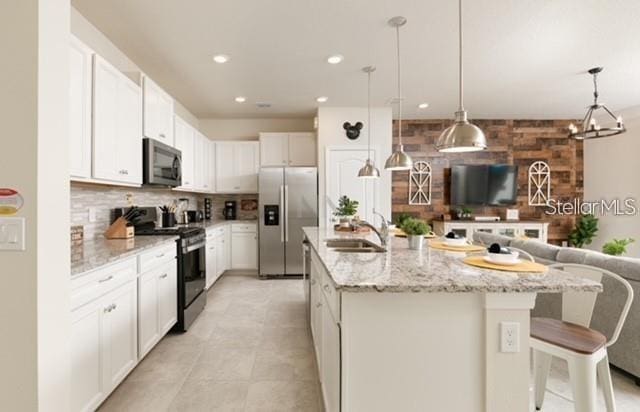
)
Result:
{"points": [[168, 219]]}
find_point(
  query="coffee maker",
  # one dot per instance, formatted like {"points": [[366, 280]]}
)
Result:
{"points": [[229, 211]]}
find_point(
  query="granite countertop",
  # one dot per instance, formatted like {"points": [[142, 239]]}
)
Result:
{"points": [[92, 254], [429, 270]]}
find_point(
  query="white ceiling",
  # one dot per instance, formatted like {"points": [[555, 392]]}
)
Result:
{"points": [[524, 58]]}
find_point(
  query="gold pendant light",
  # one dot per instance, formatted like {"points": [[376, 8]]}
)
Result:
{"points": [[461, 136], [369, 170], [398, 160]]}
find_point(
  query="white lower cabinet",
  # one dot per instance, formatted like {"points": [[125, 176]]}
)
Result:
{"points": [[325, 330], [211, 260], [244, 246], [120, 337], [112, 310], [86, 358], [157, 304], [330, 359], [103, 345]]}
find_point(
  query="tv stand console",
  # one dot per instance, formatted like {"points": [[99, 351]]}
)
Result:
{"points": [[514, 228]]}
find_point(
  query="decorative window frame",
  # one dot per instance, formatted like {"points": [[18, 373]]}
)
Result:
{"points": [[539, 184], [420, 178]]}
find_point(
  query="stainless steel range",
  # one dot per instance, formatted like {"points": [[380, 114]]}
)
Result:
{"points": [[192, 297]]}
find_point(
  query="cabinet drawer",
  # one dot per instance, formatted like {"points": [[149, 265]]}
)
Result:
{"points": [[215, 232], [101, 281], [156, 257], [243, 228]]}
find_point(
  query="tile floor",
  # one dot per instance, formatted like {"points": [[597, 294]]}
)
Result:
{"points": [[251, 351]]}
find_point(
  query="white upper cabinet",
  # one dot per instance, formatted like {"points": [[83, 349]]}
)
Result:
{"points": [[287, 149], [237, 166], [302, 149], [158, 113], [80, 60], [274, 149], [202, 161], [117, 125], [212, 167], [185, 142]]}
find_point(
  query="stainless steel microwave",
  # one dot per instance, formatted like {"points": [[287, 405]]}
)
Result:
{"points": [[162, 164]]}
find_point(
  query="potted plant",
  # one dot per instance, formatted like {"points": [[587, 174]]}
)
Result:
{"points": [[584, 231], [401, 218], [464, 213], [415, 230], [617, 247], [346, 210]]}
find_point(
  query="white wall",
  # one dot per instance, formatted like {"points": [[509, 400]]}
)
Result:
{"points": [[331, 133], [34, 297], [250, 128], [94, 38], [612, 171]]}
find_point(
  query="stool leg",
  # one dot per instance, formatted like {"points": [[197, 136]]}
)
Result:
{"points": [[604, 373], [542, 364], [582, 373]]}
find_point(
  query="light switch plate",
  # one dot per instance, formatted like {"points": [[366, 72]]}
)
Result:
{"points": [[12, 233]]}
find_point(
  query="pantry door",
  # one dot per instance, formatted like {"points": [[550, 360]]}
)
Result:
{"points": [[342, 165]]}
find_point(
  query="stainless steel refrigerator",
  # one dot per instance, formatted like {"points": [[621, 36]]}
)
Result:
{"points": [[288, 201]]}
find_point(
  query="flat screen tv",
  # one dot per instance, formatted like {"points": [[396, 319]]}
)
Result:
{"points": [[484, 185]]}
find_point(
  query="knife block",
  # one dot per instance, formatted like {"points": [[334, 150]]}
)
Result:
{"points": [[119, 230]]}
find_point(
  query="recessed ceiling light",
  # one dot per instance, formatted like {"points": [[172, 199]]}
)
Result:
{"points": [[241, 99], [423, 105], [220, 58], [335, 59], [322, 99]]}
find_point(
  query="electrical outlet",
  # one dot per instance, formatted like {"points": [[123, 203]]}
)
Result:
{"points": [[509, 337], [93, 214]]}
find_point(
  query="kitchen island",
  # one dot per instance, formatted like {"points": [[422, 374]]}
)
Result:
{"points": [[407, 330]]}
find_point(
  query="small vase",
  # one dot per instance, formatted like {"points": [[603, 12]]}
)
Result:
{"points": [[415, 242], [345, 221]]}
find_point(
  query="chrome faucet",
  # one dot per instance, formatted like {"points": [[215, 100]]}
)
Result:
{"points": [[383, 232]]}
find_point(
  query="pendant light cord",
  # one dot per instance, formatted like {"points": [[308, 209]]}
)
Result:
{"points": [[369, 115], [460, 97], [399, 88], [595, 88]]}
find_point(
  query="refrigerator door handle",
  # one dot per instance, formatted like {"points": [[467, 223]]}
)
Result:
{"points": [[286, 212], [281, 207]]}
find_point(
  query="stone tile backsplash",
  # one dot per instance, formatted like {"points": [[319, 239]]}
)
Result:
{"points": [[103, 199]]}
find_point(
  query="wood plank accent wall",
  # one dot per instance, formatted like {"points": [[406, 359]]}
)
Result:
{"points": [[518, 142]]}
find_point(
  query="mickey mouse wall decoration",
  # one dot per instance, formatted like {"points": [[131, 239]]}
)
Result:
{"points": [[353, 131]]}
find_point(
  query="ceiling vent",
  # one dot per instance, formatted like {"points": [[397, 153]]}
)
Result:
{"points": [[263, 105]]}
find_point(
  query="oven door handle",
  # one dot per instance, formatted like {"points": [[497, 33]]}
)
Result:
{"points": [[191, 248]]}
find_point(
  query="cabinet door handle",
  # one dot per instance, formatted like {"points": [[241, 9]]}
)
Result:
{"points": [[318, 304], [161, 255], [326, 287], [162, 135], [236, 187], [108, 278], [164, 276], [114, 306]]}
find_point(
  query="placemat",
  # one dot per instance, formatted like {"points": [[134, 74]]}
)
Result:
{"points": [[438, 244], [400, 233], [523, 266]]}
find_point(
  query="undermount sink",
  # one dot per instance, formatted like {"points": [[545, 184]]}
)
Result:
{"points": [[354, 246]]}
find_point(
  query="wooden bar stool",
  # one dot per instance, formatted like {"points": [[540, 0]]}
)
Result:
{"points": [[571, 339]]}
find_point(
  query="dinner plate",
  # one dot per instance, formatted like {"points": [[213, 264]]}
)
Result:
{"points": [[493, 262]]}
